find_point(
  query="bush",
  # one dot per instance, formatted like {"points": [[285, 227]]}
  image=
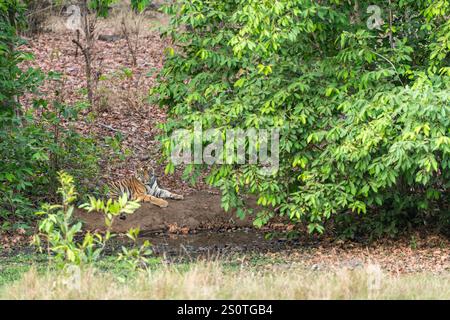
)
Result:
{"points": [[14, 145], [35, 141], [363, 113]]}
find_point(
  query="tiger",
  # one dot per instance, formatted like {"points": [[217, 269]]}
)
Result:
{"points": [[142, 187]]}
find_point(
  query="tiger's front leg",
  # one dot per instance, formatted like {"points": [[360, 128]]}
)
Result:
{"points": [[175, 196], [165, 194], [153, 200]]}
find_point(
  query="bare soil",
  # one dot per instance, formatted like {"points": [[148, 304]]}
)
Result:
{"points": [[200, 210]]}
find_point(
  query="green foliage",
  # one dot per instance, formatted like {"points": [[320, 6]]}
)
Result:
{"points": [[363, 114], [100, 7], [35, 147], [14, 81], [139, 256], [111, 209], [140, 5]]}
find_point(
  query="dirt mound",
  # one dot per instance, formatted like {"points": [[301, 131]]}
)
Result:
{"points": [[200, 210]]}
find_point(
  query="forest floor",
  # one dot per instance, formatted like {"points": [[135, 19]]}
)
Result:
{"points": [[420, 253], [196, 227]]}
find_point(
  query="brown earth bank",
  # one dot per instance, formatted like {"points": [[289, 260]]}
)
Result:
{"points": [[198, 228], [199, 210]]}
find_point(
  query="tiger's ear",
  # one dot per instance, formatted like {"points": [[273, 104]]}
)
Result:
{"points": [[153, 177], [150, 171]]}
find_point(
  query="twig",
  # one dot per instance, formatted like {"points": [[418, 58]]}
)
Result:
{"points": [[112, 129], [127, 36], [389, 61], [78, 39], [83, 50], [39, 11]]}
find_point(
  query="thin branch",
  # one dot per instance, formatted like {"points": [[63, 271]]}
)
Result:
{"points": [[83, 49], [39, 11], [111, 128], [389, 61]]}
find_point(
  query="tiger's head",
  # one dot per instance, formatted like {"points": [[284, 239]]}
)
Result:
{"points": [[146, 176]]}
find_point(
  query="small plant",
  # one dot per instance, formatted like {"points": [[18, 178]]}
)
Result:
{"points": [[63, 237], [413, 242], [139, 256], [140, 5], [132, 96], [60, 231], [131, 25]]}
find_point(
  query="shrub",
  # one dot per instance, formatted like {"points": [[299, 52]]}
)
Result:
{"points": [[363, 113]]}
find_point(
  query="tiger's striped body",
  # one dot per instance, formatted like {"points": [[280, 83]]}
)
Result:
{"points": [[142, 188], [154, 190]]}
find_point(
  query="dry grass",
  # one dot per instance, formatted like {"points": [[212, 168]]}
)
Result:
{"points": [[209, 280]]}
